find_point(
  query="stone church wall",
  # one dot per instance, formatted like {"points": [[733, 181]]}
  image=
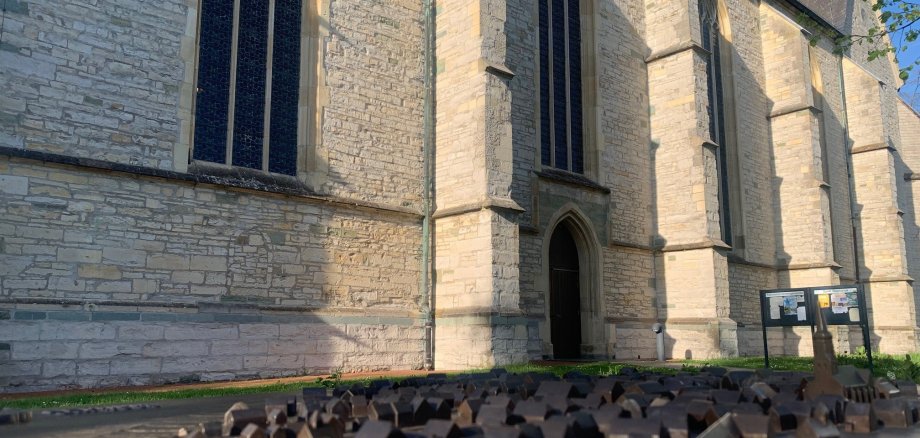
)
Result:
{"points": [[119, 267]]}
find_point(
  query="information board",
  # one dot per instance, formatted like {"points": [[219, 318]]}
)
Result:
{"points": [[840, 305], [785, 308]]}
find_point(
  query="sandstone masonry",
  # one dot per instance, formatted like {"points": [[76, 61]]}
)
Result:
{"points": [[123, 261]]}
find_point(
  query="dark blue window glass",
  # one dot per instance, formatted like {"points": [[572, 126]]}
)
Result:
{"points": [[711, 41], [723, 145], [545, 143], [249, 108], [561, 126], [282, 147], [575, 86], [212, 100], [559, 86]]}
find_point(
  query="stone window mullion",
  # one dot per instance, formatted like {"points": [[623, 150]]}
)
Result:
{"points": [[234, 47], [266, 128]]}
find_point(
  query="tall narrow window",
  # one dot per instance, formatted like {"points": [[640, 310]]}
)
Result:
{"points": [[561, 135], [247, 96], [712, 42]]}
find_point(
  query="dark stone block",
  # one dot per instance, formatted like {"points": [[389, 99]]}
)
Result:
{"points": [[725, 396], [358, 406], [751, 425], [628, 428], [631, 407], [404, 413], [381, 412], [532, 411], [556, 427], [338, 407], [892, 413], [236, 420], [325, 425], [789, 415], [501, 399], [859, 418], [276, 416], [501, 431], [814, 429], [252, 431], [492, 415], [378, 429], [315, 394], [441, 429], [556, 389], [584, 425], [735, 379], [466, 413]]}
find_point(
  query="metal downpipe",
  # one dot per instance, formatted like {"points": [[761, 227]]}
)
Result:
{"points": [[427, 152]]}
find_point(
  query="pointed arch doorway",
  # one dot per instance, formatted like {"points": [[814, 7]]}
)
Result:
{"points": [[565, 294]]}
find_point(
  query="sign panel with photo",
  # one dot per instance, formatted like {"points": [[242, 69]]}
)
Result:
{"points": [[840, 305], [785, 308]]}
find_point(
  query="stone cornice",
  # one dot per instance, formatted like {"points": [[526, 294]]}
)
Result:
{"points": [[675, 49], [887, 279], [709, 243], [792, 109], [870, 147], [505, 204], [802, 266]]}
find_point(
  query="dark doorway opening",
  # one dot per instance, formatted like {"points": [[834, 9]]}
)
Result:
{"points": [[565, 295]]}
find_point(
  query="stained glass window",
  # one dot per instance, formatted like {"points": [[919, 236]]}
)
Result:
{"points": [[213, 92], [712, 42], [560, 87], [261, 121]]}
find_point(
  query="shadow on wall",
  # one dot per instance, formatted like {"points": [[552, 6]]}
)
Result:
{"points": [[163, 280], [619, 162]]}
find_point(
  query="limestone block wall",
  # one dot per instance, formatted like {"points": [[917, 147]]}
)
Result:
{"points": [[114, 81], [802, 206], [691, 267], [909, 191], [51, 347], [111, 253], [93, 80], [631, 301], [753, 227], [146, 279], [372, 118], [880, 228], [69, 233], [622, 120], [829, 89], [617, 158]]}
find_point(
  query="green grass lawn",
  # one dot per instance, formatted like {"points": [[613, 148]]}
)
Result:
{"points": [[906, 367], [896, 367]]}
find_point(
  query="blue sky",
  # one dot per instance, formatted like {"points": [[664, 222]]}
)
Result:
{"points": [[910, 91]]}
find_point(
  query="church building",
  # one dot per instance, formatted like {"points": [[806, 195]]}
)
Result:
{"points": [[200, 190]]}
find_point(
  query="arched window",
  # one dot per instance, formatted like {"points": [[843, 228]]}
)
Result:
{"points": [[561, 135], [713, 41]]}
